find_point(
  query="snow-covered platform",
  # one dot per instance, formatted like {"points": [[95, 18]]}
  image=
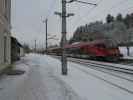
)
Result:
{"points": [[43, 81]]}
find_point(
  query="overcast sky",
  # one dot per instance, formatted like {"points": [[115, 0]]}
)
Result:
{"points": [[28, 16]]}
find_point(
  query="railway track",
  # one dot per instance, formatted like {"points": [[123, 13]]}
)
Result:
{"points": [[117, 76], [114, 71], [104, 65], [128, 62], [123, 61], [122, 75], [107, 81], [127, 70]]}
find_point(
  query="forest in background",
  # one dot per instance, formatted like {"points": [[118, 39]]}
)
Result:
{"points": [[119, 29]]}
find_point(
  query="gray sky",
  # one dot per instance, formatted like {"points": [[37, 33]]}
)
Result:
{"points": [[27, 16]]}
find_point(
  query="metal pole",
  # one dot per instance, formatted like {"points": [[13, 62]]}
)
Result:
{"points": [[35, 46], [64, 15], [46, 21], [63, 39]]}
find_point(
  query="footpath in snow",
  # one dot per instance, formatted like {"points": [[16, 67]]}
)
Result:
{"points": [[38, 83], [43, 81]]}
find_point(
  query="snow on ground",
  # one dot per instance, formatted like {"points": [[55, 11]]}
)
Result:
{"points": [[38, 83], [43, 81], [123, 51], [9, 86], [85, 84]]}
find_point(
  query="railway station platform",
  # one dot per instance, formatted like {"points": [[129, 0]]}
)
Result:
{"points": [[43, 81]]}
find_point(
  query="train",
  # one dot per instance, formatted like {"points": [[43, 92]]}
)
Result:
{"points": [[96, 50]]}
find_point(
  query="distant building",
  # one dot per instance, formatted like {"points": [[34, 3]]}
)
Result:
{"points": [[5, 27]]}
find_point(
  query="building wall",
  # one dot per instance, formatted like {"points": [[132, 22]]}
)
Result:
{"points": [[5, 26], [21, 52]]}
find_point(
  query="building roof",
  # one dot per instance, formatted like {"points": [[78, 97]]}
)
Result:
{"points": [[15, 41]]}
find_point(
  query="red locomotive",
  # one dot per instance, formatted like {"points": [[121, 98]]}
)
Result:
{"points": [[98, 49]]}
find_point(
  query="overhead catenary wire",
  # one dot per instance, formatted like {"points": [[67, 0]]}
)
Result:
{"points": [[110, 9], [105, 10], [51, 7], [88, 12], [91, 9], [49, 13]]}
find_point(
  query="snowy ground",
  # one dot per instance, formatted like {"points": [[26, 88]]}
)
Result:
{"points": [[38, 83], [43, 81]]}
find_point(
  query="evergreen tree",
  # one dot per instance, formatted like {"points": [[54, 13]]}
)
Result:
{"points": [[127, 20], [131, 20], [114, 28], [119, 18], [109, 18]]}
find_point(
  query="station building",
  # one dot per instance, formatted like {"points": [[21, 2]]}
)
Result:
{"points": [[5, 34]]}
